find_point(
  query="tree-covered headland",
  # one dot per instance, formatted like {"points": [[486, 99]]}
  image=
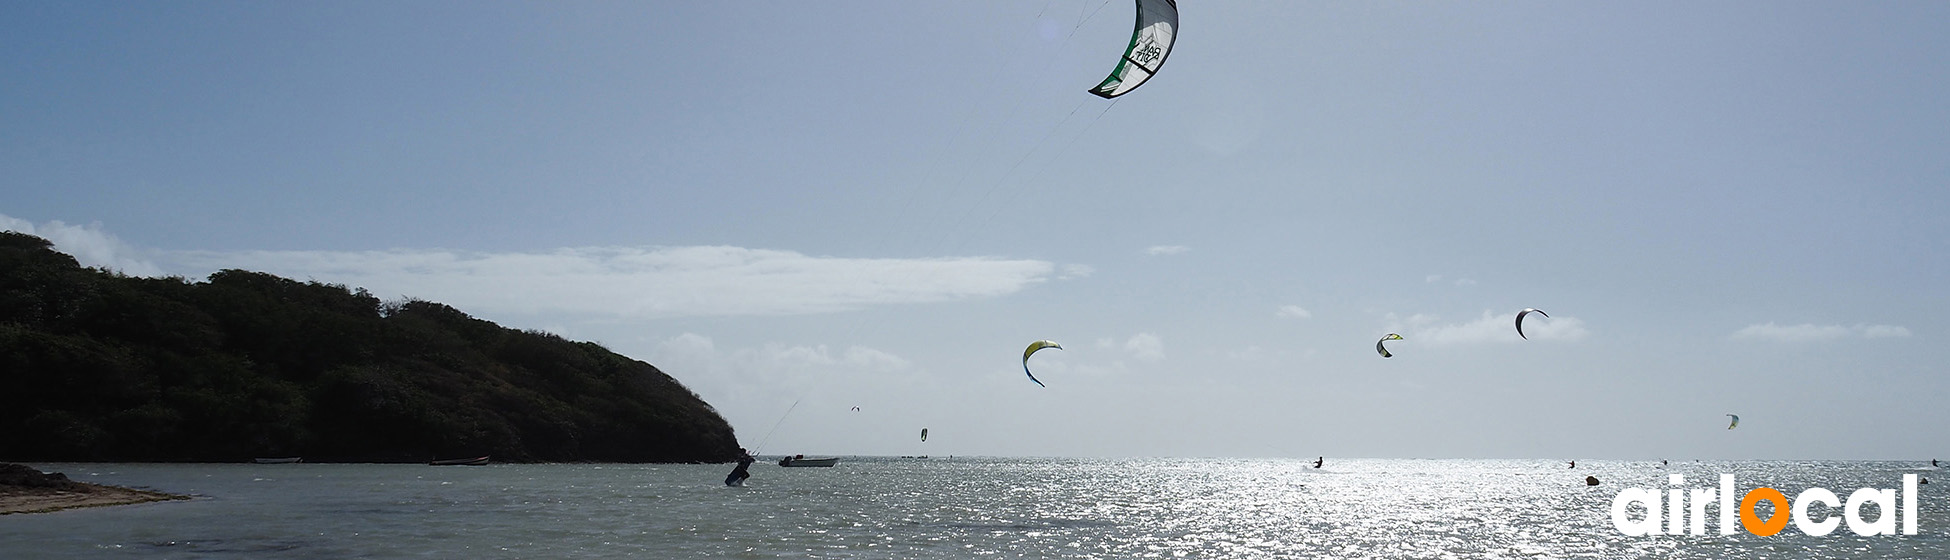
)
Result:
{"points": [[100, 366]]}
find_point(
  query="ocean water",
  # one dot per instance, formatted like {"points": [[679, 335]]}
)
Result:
{"points": [[941, 508]]}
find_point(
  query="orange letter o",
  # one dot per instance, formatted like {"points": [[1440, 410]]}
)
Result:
{"points": [[1773, 524]]}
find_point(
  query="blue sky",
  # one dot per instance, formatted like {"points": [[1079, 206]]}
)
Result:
{"points": [[1733, 207]]}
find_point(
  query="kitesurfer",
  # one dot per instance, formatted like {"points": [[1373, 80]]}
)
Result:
{"points": [[738, 475], [1319, 462], [1574, 464]]}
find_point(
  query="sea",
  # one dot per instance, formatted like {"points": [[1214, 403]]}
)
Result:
{"points": [[949, 507]]}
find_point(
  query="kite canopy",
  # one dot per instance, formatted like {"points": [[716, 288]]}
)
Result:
{"points": [[1157, 28], [1383, 349], [1033, 347], [1735, 422], [1527, 311], [924, 434]]}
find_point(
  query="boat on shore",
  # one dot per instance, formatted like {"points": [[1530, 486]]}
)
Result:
{"points": [[804, 461], [277, 460], [471, 462]]}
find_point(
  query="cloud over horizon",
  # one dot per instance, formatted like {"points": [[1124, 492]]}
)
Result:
{"points": [[88, 244], [643, 282], [635, 282]]}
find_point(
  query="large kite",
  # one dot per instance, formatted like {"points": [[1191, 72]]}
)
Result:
{"points": [[1157, 28], [1033, 347], [1527, 311]]}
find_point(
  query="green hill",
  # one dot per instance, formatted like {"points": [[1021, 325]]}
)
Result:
{"points": [[98, 366]]}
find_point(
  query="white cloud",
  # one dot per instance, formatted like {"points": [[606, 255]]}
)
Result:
{"points": [[1294, 311], [746, 375], [1146, 346], [1075, 271], [1808, 332], [89, 245], [869, 358], [1490, 327], [1412, 322], [648, 282], [700, 353], [1167, 250], [1884, 331], [690, 344]]}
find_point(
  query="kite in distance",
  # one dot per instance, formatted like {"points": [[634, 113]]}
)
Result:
{"points": [[1527, 311], [924, 434], [1033, 347], [1157, 29], [1735, 422], [1383, 349]]}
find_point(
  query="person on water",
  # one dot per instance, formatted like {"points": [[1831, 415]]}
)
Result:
{"points": [[738, 475], [1319, 462], [1574, 464]]}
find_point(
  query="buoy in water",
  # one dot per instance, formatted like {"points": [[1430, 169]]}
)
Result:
{"points": [[1590, 481]]}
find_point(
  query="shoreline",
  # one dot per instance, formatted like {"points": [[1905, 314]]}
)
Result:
{"points": [[29, 500]]}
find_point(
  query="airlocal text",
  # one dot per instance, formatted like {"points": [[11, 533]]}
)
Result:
{"points": [[1684, 510]]}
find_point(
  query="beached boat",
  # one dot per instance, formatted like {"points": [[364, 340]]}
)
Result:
{"points": [[277, 460], [804, 461], [476, 461]]}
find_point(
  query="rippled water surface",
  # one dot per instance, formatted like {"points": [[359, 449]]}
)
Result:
{"points": [[938, 508]]}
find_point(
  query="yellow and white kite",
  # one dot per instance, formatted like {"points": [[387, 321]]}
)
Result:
{"points": [[1033, 347]]}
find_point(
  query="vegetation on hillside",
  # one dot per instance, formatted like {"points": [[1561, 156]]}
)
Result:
{"points": [[99, 366]]}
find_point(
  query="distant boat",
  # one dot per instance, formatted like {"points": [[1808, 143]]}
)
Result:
{"points": [[477, 461], [277, 460], [804, 461]]}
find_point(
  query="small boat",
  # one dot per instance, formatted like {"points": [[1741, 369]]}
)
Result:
{"points": [[476, 461], [804, 461], [277, 460]]}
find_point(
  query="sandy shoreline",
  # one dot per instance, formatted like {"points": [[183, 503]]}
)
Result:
{"points": [[25, 499]]}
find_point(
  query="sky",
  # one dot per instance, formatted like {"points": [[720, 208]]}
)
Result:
{"points": [[798, 209]]}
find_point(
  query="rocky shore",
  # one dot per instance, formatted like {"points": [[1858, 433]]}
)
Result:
{"points": [[24, 489]]}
